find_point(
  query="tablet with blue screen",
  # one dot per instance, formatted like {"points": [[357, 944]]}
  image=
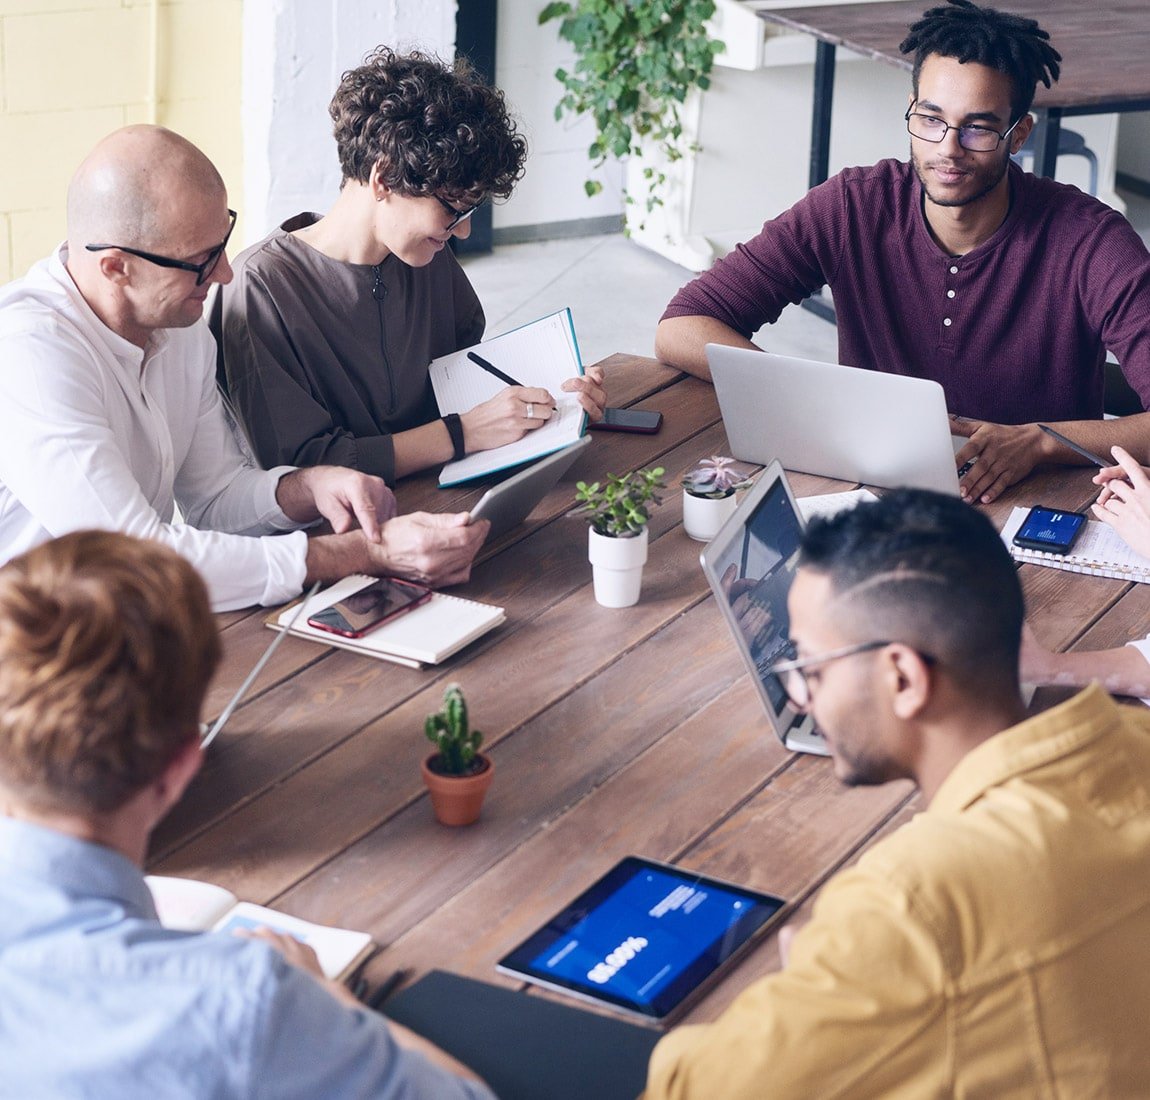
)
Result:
{"points": [[644, 939]]}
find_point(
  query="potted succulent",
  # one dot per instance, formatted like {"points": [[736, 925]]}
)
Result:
{"points": [[709, 494], [617, 539], [457, 774]]}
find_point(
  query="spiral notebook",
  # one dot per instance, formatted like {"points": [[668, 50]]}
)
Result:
{"points": [[429, 634], [1099, 551]]}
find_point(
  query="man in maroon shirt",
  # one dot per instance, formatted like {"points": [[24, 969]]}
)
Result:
{"points": [[1005, 288]]}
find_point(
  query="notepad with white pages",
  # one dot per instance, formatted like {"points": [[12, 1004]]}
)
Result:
{"points": [[187, 905], [544, 353], [1099, 551], [426, 636]]}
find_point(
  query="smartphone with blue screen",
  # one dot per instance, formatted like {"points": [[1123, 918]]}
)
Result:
{"points": [[1050, 529]]}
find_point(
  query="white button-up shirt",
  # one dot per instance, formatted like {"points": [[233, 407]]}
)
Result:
{"points": [[96, 432]]}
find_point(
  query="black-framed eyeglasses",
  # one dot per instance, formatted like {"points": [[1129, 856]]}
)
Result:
{"points": [[791, 673], [978, 139], [203, 271], [457, 216]]}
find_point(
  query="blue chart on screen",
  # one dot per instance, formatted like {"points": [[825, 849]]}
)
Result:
{"points": [[644, 936], [1047, 526]]}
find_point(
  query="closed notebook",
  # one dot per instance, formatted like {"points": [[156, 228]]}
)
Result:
{"points": [[429, 634], [527, 1047], [1099, 552]]}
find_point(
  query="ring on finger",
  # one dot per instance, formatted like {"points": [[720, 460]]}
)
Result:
{"points": [[530, 411]]}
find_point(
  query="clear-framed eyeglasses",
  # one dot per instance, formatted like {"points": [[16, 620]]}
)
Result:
{"points": [[977, 139], [791, 672]]}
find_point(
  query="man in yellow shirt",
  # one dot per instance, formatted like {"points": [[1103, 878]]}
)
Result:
{"points": [[998, 945]]}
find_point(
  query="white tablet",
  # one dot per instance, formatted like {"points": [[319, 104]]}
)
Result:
{"points": [[510, 502]]}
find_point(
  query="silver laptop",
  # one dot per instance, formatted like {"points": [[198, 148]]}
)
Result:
{"points": [[749, 565], [842, 422]]}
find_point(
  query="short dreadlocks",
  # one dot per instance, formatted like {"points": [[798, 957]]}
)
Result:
{"points": [[1012, 44]]}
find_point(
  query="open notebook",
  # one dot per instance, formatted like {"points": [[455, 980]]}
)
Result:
{"points": [[190, 906], [1099, 551], [429, 634], [544, 353]]}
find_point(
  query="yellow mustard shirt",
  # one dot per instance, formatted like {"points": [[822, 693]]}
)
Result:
{"points": [[998, 945]]}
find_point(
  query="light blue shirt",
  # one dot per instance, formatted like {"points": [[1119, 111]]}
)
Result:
{"points": [[98, 1000]]}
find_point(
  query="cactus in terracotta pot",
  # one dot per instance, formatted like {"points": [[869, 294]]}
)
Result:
{"points": [[457, 774]]}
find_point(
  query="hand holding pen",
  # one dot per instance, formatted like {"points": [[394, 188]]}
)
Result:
{"points": [[1109, 471], [587, 387], [509, 415]]}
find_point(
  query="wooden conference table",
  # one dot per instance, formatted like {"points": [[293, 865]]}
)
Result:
{"points": [[612, 731], [1105, 51]]}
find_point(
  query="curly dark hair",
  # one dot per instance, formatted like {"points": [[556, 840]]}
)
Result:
{"points": [[433, 128], [1012, 44]]}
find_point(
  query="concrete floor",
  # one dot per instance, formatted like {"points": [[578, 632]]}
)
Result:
{"points": [[617, 290]]}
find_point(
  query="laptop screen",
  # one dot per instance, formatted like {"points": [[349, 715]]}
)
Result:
{"points": [[750, 565], [756, 576]]}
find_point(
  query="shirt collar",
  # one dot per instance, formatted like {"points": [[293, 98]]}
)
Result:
{"points": [[79, 867], [1054, 733], [124, 351], [1018, 196]]}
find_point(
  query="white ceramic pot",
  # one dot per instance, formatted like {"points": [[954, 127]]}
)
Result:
{"points": [[703, 516], [617, 567]]}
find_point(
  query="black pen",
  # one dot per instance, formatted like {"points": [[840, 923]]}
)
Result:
{"points": [[1103, 462], [387, 988], [356, 979], [492, 369]]}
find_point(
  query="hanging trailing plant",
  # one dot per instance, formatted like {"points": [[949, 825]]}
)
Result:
{"points": [[636, 61]]}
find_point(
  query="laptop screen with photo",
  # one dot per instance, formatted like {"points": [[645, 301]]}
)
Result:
{"points": [[750, 565]]}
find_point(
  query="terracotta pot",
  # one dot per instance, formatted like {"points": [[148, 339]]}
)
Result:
{"points": [[457, 800]]}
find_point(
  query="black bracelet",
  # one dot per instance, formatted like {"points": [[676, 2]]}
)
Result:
{"points": [[455, 429]]}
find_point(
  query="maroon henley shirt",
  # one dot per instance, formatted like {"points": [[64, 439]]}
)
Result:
{"points": [[1015, 331]]}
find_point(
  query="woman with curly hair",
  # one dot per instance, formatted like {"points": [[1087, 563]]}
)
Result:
{"points": [[326, 333]]}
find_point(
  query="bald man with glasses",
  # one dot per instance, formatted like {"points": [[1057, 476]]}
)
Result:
{"points": [[110, 417]]}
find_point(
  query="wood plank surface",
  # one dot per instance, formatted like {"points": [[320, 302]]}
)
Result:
{"points": [[612, 731], [1105, 47]]}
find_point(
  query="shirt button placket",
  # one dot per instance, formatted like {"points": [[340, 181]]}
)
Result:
{"points": [[162, 441], [948, 322]]}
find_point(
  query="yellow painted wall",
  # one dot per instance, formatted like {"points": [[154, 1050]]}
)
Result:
{"points": [[71, 71]]}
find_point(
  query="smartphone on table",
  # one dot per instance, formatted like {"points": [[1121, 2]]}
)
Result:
{"points": [[1049, 529], [370, 607], [628, 420]]}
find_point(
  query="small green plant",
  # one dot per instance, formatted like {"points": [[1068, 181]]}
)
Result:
{"points": [[635, 64], [450, 732], [717, 477], [618, 509]]}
